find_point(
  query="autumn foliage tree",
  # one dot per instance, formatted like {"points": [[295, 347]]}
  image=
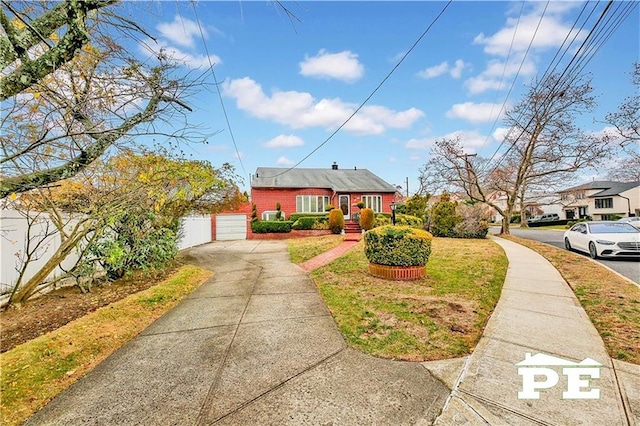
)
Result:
{"points": [[125, 213]]}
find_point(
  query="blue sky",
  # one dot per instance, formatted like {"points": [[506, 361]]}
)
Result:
{"points": [[287, 85]]}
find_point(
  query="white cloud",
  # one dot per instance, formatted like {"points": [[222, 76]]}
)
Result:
{"points": [[284, 141], [434, 71], [341, 66], [550, 34], [182, 31], [284, 161], [475, 113], [178, 56], [471, 140], [513, 41], [500, 133], [482, 83], [443, 68], [456, 71], [300, 110]]}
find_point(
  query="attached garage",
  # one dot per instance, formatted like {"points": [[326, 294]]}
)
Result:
{"points": [[231, 227]]}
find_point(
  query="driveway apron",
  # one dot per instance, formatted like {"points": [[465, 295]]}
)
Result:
{"points": [[255, 344]]}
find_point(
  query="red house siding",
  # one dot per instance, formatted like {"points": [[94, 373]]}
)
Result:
{"points": [[266, 198]]}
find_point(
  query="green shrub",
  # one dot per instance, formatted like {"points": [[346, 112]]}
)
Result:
{"points": [[321, 224], [304, 223], [319, 216], [381, 220], [443, 217], [336, 221], [279, 211], [515, 218], [408, 220], [328, 208], [397, 246], [366, 219], [265, 226]]}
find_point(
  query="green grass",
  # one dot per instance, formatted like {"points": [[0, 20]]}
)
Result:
{"points": [[303, 249], [438, 317], [35, 372]]}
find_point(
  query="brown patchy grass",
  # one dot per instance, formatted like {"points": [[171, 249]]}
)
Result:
{"points": [[36, 371], [441, 316], [611, 302]]}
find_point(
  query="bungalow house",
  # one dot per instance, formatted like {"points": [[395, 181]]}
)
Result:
{"points": [[602, 200], [311, 190]]}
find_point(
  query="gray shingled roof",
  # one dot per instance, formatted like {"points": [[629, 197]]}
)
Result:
{"points": [[361, 180], [598, 184], [616, 188]]}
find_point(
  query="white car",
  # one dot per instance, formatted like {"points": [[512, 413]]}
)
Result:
{"points": [[604, 239], [635, 221]]}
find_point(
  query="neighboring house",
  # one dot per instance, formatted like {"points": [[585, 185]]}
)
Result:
{"points": [[311, 190], [535, 203], [602, 200]]}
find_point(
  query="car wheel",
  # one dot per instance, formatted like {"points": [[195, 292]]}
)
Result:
{"points": [[567, 244], [592, 251]]}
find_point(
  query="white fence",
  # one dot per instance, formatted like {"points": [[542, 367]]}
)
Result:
{"points": [[194, 230]]}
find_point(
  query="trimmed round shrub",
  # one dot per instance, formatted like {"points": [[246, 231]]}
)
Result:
{"points": [[397, 246], [336, 221], [366, 219], [444, 218]]}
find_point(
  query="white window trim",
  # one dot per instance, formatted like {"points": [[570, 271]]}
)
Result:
{"points": [[319, 209], [266, 213], [371, 197]]}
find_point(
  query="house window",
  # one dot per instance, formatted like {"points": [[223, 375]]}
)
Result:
{"points": [[373, 202], [604, 203], [311, 203], [271, 215]]}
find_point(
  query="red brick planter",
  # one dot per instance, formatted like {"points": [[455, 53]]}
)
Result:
{"points": [[399, 273]]}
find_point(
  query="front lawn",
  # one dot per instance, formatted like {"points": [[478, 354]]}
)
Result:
{"points": [[441, 316]]}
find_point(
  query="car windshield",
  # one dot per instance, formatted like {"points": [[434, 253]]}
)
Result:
{"points": [[612, 228]]}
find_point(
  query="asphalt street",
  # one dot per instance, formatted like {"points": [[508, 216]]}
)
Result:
{"points": [[630, 268]]}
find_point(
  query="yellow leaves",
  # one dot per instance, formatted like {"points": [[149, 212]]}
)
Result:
{"points": [[13, 196]]}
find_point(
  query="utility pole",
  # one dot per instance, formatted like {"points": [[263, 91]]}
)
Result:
{"points": [[407, 187]]}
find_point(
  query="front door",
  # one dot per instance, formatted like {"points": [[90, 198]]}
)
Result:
{"points": [[344, 201]]}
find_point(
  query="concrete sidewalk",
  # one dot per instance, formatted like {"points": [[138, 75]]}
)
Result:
{"points": [[256, 345], [538, 313]]}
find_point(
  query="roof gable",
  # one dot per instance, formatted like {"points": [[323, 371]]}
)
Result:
{"points": [[360, 180]]}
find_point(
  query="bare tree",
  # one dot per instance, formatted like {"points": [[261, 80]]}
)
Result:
{"points": [[627, 119], [544, 145], [69, 91]]}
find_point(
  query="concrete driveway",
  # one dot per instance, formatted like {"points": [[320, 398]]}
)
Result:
{"points": [[254, 345]]}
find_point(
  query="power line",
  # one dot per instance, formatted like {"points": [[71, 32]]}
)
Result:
{"points": [[560, 78], [215, 81], [424, 33]]}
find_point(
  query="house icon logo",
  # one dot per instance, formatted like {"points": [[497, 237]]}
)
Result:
{"points": [[579, 375]]}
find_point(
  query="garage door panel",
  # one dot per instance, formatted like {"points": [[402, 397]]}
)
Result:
{"points": [[231, 227]]}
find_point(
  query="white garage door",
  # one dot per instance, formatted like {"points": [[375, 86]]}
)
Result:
{"points": [[231, 227]]}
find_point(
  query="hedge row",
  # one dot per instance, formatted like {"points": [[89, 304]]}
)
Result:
{"points": [[266, 226]]}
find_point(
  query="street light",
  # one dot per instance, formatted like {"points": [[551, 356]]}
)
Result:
{"points": [[393, 212]]}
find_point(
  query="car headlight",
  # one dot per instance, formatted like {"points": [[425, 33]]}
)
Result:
{"points": [[606, 242]]}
